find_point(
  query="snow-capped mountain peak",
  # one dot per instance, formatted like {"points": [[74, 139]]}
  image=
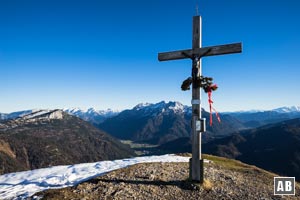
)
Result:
{"points": [[73, 110], [91, 114], [92, 110], [161, 107], [177, 107], [287, 109], [142, 105]]}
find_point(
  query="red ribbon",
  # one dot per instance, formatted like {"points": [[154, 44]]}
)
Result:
{"points": [[209, 92]]}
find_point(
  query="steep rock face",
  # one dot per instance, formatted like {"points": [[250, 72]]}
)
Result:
{"points": [[163, 122], [54, 138], [32, 117]]}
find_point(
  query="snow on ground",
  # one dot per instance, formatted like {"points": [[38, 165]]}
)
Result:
{"points": [[20, 185]]}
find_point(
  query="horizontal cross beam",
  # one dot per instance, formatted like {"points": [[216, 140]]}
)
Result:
{"points": [[201, 52]]}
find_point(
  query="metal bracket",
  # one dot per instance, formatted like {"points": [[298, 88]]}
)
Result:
{"points": [[201, 125], [196, 101]]}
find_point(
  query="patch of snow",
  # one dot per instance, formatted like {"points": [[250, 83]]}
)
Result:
{"points": [[21, 185], [35, 114], [177, 107], [142, 105], [108, 113], [91, 110], [91, 113], [161, 107], [158, 105], [73, 110]]}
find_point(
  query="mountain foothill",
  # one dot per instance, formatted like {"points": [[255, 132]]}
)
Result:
{"points": [[46, 138]]}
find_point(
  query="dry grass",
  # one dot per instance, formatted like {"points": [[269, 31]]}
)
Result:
{"points": [[227, 163], [5, 148], [138, 145], [207, 185], [232, 164]]}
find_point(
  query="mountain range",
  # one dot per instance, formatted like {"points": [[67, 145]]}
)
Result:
{"points": [[158, 123], [13, 115], [52, 137], [250, 119], [162, 122], [260, 118], [92, 115]]}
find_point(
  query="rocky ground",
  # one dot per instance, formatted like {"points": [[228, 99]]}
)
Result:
{"points": [[224, 179]]}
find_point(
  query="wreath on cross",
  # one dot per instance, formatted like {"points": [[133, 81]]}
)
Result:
{"points": [[206, 83]]}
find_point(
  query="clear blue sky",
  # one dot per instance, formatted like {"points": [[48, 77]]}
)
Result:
{"points": [[103, 54]]}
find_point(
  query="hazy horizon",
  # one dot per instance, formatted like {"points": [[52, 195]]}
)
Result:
{"points": [[120, 110]]}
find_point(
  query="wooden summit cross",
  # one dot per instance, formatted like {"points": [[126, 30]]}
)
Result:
{"points": [[196, 53]]}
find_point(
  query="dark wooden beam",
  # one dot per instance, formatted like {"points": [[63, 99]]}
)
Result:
{"points": [[205, 51], [218, 50], [196, 173], [175, 55]]}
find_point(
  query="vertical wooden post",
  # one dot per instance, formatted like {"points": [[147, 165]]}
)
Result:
{"points": [[196, 162]]}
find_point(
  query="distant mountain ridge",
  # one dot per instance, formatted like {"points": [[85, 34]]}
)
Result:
{"points": [[171, 106], [256, 119], [98, 116], [162, 122], [92, 115], [287, 109], [165, 121], [6, 116], [284, 109]]}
